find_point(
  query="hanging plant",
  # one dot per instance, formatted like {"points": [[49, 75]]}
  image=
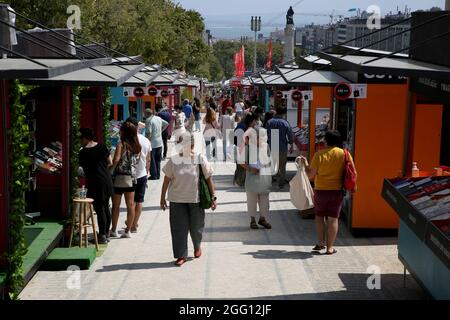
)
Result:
{"points": [[19, 135], [75, 145], [106, 118]]}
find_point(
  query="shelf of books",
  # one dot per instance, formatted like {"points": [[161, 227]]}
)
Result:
{"points": [[423, 205]]}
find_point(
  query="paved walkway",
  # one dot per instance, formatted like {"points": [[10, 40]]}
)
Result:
{"points": [[237, 262]]}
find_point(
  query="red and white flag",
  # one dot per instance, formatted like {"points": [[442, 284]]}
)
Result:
{"points": [[269, 57]]}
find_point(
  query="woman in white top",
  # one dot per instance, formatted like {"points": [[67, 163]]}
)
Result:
{"points": [[228, 124], [211, 133], [181, 181]]}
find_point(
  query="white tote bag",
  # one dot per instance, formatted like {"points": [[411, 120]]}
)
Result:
{"points": [[302, 193]]}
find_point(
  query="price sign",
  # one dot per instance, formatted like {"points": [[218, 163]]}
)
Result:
{"points": [[152, 91], [297, 95], [343, 91]]}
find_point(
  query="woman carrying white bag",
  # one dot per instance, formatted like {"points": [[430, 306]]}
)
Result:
{"points": [[302, 193]]}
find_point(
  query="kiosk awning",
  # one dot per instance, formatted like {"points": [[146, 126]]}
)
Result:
{"points": [[143, 78], [295, 76], [393, 66], [108, 76], [273, 79], [20, 68]]}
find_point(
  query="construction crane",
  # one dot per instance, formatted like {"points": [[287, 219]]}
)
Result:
{"points": [[331, 15]]}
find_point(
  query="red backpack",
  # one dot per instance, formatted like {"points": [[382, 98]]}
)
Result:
{"points": [[349, 173]]}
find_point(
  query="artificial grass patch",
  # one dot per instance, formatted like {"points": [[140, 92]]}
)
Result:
{"points": [[61, 259]]}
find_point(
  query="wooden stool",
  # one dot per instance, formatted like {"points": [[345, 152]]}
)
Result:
{"points": [[85, 212]]}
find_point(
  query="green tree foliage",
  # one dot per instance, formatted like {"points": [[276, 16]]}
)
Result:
{"points": [[159, 30]]}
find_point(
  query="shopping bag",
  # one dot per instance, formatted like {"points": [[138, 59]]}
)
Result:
{"points": [[302, 193]]}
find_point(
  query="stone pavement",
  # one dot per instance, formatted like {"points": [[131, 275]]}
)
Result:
{"points": [[237, 263]]}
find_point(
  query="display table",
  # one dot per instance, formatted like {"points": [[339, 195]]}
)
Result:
{"points": [[424, 238]]}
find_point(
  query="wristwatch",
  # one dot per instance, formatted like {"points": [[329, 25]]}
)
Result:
{"points": [[214, 198]]}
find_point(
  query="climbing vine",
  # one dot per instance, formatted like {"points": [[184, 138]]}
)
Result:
{"points": [[106, 118], [75, 141], [19, 135]]}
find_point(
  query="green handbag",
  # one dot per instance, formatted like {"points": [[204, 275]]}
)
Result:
{"points": [[203, 191]]}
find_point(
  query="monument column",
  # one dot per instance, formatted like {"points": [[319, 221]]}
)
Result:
{"points": [[289, 38]]}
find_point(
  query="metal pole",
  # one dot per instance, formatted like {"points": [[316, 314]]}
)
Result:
{"points": [[447, 5], [254, 65]]}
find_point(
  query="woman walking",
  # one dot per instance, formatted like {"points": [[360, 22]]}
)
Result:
{"points": [[124, 164], [212, 128], [258, 180], [228, 125], [197, 118], [182, 173], [95, 160], [327, 169]]}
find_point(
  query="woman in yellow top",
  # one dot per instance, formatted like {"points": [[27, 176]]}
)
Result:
{"points": [[327, 170]]}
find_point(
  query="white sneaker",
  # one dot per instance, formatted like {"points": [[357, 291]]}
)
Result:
{"points": [[126, 235], [113, 234]]}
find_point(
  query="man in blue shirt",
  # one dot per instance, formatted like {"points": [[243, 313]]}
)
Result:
{"points": [[154, 126], [163, 113], [188, 110], [285, 141]]}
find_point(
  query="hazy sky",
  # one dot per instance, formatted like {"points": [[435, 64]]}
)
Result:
{"points": [[226, 7], [231, 18]]}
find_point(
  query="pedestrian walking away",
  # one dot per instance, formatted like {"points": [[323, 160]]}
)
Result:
{"points": [[257, 166], [163, 113], [227, 125], [142, 174], [181, 185], [124, 164], [197, 117], [211, 133], [95, 159], [327, 171], [278, 125], [154, 127], [188, 112]]}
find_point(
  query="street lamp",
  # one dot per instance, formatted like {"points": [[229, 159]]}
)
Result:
{"points": [[256, 27]]}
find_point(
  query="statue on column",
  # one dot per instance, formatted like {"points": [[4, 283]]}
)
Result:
{"points": [[290, 16]]}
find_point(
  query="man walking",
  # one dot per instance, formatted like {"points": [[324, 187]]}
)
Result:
{"points": [[154, 126], [163, 113], [278, 125], [187, 110], [142, 173]]}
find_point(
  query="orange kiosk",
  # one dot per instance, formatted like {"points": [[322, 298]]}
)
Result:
{"points": [[385, 132]]}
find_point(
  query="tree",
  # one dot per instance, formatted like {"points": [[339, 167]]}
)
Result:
{"points": [[159, 30]]}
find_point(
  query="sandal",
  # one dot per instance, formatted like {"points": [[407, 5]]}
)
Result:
{"points": [[264, 223], [318, 248], [180, 262], [328, 253], [253, 225]]}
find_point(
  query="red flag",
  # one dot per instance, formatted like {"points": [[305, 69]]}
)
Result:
{"points": [[237, 65], [269, 57], [242, 61]]}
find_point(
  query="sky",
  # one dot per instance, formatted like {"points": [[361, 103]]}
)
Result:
{"points": [[230, 18]]}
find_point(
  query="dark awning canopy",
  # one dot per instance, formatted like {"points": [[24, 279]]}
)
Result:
{"points": [[272, 79], [143, 78], [393, 66], [166, 77], [20, 68], [108, 76], [296, 76]]}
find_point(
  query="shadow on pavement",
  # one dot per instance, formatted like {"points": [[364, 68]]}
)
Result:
{"points": [[136, 266], [288, 229], [355, 288], [280, 254]]}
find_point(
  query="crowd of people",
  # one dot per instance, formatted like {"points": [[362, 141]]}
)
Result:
{"points": [[258, 143]]}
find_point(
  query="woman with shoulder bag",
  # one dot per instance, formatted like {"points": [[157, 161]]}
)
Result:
{"points": [[124, 165], [182, 181]]}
